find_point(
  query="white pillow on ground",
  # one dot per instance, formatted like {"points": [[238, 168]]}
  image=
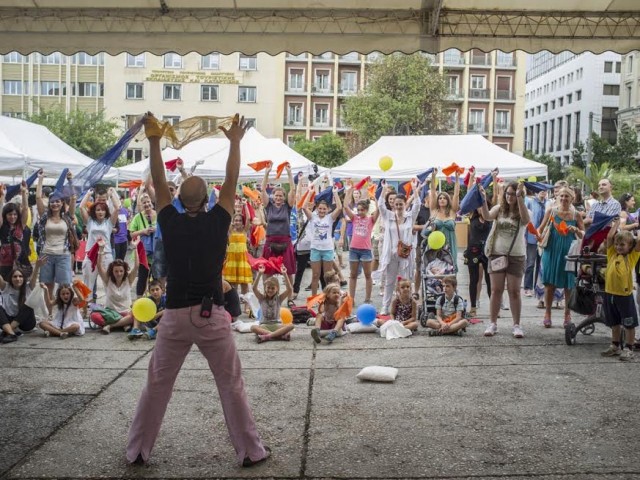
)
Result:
{"points": [[242, 327], [378, 374], [357, 327]]}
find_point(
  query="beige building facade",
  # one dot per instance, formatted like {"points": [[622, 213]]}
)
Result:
{"points": [[629, 106]]}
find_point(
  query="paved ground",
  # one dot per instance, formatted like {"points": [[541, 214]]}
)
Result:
{"points": [[462, 407]]}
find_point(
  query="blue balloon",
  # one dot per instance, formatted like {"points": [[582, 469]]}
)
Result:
{"points": [[366, 314]]}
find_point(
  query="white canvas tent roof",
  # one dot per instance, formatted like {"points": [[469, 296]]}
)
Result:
{"points": [[412, 155], [340, 26], [215, 151], [26, 146]]}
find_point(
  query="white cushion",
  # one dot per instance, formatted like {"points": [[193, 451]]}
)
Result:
{"points": [[357, 327], [378, 374]]}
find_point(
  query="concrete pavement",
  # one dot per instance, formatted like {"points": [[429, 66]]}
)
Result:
{"points": [[461, 407]]}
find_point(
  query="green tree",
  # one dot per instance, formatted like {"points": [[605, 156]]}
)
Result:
{"points": [[89, 133], [622, 155], [590, 180], [327, 151], [576, 155], [404, 95], [555, 170]]}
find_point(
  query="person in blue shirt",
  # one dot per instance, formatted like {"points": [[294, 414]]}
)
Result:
{"points": [[537, 205]]}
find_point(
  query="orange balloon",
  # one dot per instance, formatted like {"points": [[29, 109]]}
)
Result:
{"points": [[286, 316]]}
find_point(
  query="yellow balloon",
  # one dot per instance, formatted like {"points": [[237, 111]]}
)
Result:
{"points": [[144, 309], [385, 163], [532, 178], [286, 316], [436, 240]]}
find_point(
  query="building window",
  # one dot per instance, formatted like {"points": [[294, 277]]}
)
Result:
{"points": [[301, 56], [321, 115], [348, 82], [209, 93], [478, 82], [560, 101], [15, 57], [476, 121], [90, 89], [172, 91], [578, 95], [452, 84], [134, 154], [618, 67], [608, 67], [552, 135], [609, 123], [452, 121], [55, 58], [251, 122], [629, 64], [322, 81], [351, 56], [504, 59], [569, 98], [83, 58], [136, 61], [290, 140], [172, 60], [628, 96], [611, 89], [247, 94], [295, 116], [502, 121], [49, 89], [14, 87], [172, 119], [210, 62], [296, 80], [135, 91], [577, 134], [559, 146], [503, 145], [248, 62], [545, 107]]}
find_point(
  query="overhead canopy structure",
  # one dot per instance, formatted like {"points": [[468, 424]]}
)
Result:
{"points": [[296, 26], [412, 155], [213, 152], [26, 146]]}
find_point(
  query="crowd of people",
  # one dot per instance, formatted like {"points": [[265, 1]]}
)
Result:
{"points": [[517, 242]]}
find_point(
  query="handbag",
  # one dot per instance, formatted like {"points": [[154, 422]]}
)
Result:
{"points": [[582, 300], [547, 232], [404, 250], [501, 263]]}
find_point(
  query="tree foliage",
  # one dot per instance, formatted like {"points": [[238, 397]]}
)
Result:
{"points": [[404, 95], [327, 151], [590, 180], [89, 133], [621, 156], [555, 170]]}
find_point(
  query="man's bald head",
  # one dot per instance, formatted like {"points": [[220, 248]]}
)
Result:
{"points": [[193, 193]]}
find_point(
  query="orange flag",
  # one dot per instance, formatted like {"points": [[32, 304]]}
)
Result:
{"points": [[407, 189], [303, 200], [261, 165], [280, 168], [361, 183], [532, 230], [315, 300], [247, 192], [372, 190], [258, 234], [83, 292], [345, 309], [562, 228], [451, 169]]}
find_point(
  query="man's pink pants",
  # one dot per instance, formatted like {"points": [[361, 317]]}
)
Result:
{"points": [[179, 330]]}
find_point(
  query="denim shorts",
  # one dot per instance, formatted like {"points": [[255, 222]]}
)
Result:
{"points": [[360, 255], [321, 255], [159, 267], [57, 269]]}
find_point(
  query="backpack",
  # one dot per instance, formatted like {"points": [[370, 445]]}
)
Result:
{"points": [[456, 300], [301, 314]]}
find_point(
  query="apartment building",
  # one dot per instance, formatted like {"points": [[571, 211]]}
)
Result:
{"points": [[34, 81], [629, 105], [562, 91], [485, 91]]}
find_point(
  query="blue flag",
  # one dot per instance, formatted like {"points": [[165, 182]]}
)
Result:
{"points": [[14, 190]]}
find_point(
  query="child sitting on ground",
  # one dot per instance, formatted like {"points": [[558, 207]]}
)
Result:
{"points": [[623, 253], [66, 319], [327, 325], [149, 329], [404, 308], [271, 326], [449, 308]]}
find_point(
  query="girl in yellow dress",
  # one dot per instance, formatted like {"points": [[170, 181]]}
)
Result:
{"points": [[237, 270]]}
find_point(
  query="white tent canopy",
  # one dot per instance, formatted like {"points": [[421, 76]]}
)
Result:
{"points": [[213, 152], [412, 155], [26, 146], [340, 26]]}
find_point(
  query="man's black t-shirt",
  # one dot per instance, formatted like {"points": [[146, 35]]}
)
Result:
{"points": [[195, 247], [423, 215]]}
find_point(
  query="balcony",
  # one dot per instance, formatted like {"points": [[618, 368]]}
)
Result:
{"points": [[454, 127], [341, 125], [477, 128], [321, 90], [321, 123], [481, 60], [295, 88], [503, 129], [292, 58], [505, 60], [433, 59], [479, 94], [293, 122], [347, 91], [453, 60], [507, 95], [352, 57], [454, 94]]}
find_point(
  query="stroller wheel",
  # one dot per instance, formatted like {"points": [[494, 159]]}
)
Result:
{"points": [[570, 333]]}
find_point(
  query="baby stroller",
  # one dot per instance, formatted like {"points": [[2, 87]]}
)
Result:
{"points": [[436, 264], [588, 295]]}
